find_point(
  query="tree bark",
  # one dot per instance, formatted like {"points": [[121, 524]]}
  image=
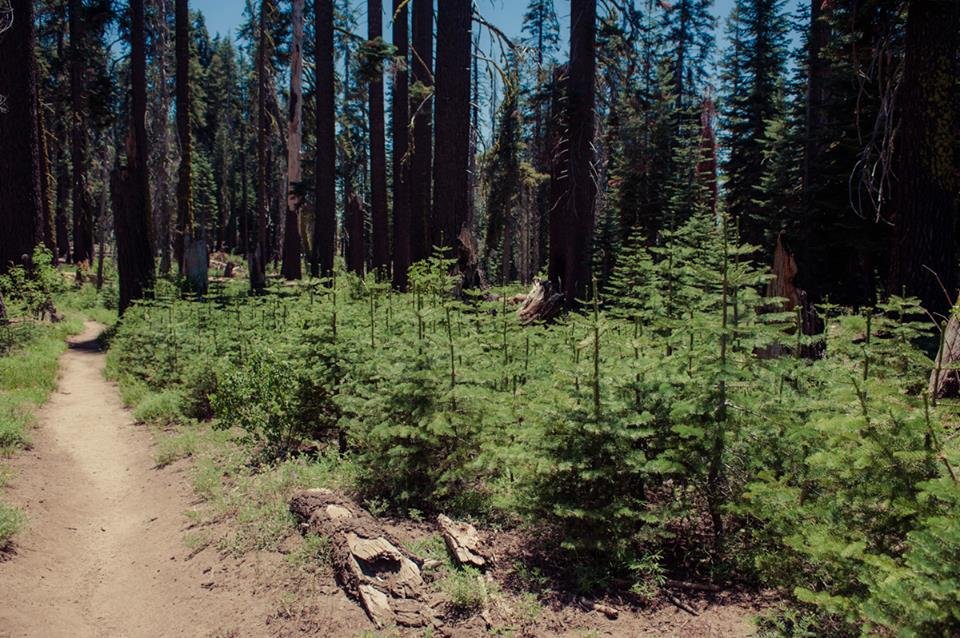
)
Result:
{"points": [[258, 258], [421, 161], [162, 212], [378, 157], [926, 183], [572, 221], [291, 235], [130, 186], [452, 139], [324, 230], [356, 251], [184, 227], [49, 231], [82, 215], [21, 206], [401, 146]]}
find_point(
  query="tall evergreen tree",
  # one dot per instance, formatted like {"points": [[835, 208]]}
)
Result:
{"points": [[82, 210], [754, 67], [184, 228]]}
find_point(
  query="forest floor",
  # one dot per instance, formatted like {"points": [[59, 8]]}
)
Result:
{"points": [[105, 553]]}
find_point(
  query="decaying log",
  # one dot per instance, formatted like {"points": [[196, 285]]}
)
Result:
{"points": [[610, 612], [945, 377], [463, 541], [541, 304], [370, 565]]}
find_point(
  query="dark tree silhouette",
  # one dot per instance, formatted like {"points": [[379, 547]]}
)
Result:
{"points": [[183, 231], [21, 207], [926, 183], [82, 213], [572, 216], [421, 161], [452, 140], [324, 230], [130, 186], [401, 146], [378, 157]]}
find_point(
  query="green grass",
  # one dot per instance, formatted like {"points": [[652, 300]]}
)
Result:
{"points": [[160, 408], [12, 521]]}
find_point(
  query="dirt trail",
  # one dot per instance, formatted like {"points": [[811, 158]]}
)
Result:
{"points": [[104, 553]]}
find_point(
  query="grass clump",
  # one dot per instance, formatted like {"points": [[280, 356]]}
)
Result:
{"points": [[12, 522], [160, 408]]}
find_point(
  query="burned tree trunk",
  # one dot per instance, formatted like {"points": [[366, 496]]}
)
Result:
{"points": [[370, 565]]}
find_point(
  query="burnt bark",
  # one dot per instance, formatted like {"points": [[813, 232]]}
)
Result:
{"points": [[926, 182], [452, 140], [324, 230], [421, 161], [257, 259], [401, 146], [21, 206]]}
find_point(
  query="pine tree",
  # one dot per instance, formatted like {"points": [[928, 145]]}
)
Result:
{"points": [[291, 248], [378, 158], [402, 229], [82, 213], [421, 161], [753, 69], [325, 220]]}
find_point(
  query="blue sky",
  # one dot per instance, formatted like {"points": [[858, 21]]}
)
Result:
{"points": [[225, 15]]}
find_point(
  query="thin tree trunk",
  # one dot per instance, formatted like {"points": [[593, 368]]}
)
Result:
{"points": [[184, 229], [926, 181], [258, 258], [82, 216], [401, 146], [21, 206], [378, 157], [292, 242], [452, 141], [421, 162], [356, 251], [324, 230], [162, 199], [49, 232]]}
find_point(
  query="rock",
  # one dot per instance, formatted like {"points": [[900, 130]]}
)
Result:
{"points": [[463, 541]]}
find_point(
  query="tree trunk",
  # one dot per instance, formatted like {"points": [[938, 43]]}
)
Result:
{"points": [[21, 206], [570, 255], [325, 217], [130, 187], [162, 197], [926, 183], [452, 141], [82, 215], [184, 227], [378, 157], [421, 161], [401, 146], [356, 251], [291, 235], [257, 259], [49, 231]]}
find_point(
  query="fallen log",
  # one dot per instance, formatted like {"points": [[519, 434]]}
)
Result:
{"points": [[370, 565], [463, 541]]}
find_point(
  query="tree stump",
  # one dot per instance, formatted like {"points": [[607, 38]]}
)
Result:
{"points": [[370, 565], [541, 304], [463, 541], [945, 376]]}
